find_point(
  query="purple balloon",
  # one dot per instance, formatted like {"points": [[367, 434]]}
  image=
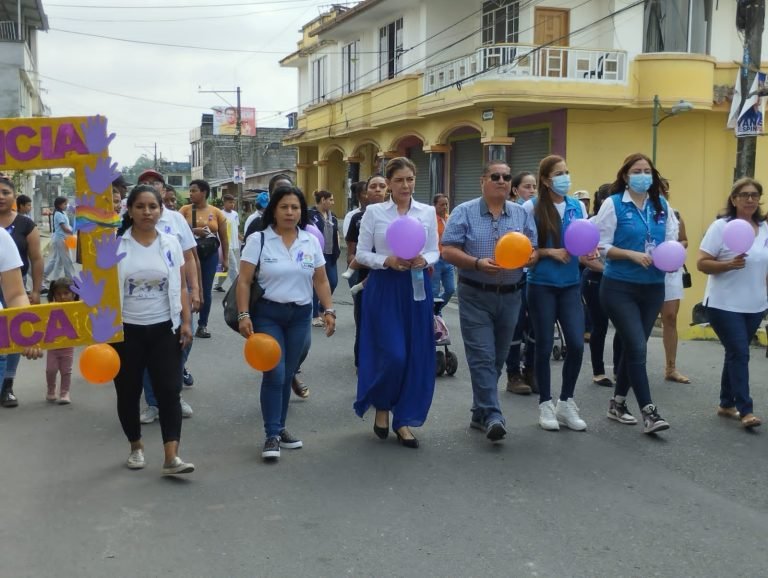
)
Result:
{"points": [[581, 238], [406, 237], [317, 233], [669, 256], [738, 236]]}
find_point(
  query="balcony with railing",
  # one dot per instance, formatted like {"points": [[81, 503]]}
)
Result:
{"points": [[524, 61]]}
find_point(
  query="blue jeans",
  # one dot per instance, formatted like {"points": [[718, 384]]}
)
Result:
{"points": [[590, 291], [331, 269], [632, 308], [3, 360], [546, 305], [444, 273], [290, 325], [523, 333], [735, 331], [488, 323], [208, 273]]}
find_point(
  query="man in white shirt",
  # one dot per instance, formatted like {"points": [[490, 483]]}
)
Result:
{"points": [[233, 233]]}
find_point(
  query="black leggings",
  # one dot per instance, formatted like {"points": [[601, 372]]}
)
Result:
{"points": [[155, 348]]}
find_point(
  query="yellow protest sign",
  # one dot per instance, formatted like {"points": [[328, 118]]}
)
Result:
{"points": [[80, 143]]}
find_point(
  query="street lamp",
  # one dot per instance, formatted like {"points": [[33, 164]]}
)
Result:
{"points": [[680, 107]]}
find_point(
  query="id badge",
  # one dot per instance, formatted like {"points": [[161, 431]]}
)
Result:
{"points": [[650, 245]]}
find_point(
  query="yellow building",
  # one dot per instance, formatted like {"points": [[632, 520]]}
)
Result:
{"points": [[452, 83]]}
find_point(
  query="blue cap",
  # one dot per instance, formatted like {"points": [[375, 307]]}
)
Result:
{"points": [[262, 200]]}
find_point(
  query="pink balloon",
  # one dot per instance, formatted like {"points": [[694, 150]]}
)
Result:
{"points": [[406, 237], [317, 233], [581, 238], [669, 256], [738, 236]]}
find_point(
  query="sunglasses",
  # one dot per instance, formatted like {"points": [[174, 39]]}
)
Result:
{"points": [[752, 195], [496, 177]]}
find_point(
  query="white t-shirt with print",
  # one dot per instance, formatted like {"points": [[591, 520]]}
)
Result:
{"points": [[741, 290], [233, 220], [9, 254], [285, 274], [145, 291]]}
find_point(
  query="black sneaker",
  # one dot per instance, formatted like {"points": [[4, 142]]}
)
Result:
{"points": [[202, 332], [220, 289], [495, 431], [7, 398], [189, 381], [652, 421], [271, 449], [289, 442]]}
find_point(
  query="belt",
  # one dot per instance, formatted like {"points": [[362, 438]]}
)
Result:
{"points": [[491, 287]]}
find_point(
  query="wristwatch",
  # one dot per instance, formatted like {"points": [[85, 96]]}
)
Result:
{"points": [[331, 312]]}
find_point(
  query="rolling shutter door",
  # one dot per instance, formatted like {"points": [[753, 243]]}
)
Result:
{"points": [[421, 160], [467, 168], [528, 149]]}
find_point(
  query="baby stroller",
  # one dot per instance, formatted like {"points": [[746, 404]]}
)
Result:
{"points": [[446, 360], [558, 349]]}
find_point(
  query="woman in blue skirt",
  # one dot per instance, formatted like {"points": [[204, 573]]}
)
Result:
{"points": [[397, 350]]}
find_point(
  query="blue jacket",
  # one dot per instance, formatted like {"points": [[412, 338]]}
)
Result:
{"points": [[551, 272]]}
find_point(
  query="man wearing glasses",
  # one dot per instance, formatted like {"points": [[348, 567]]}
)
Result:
{"points": [[489, 296]]}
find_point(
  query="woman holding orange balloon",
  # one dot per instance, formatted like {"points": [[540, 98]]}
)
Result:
{"points": [[396, 372], [554, 293], [156, 326], [278, 326], [60, 258]]}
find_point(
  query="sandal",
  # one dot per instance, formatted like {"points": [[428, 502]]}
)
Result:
{"points": [[299, 388], [750, 420], [729, 412], [673, 375]]}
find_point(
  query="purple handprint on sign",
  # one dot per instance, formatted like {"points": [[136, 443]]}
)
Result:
{"points": [[89, 290], [106, 251], [103, 327], [95, 133], [100, 178]]}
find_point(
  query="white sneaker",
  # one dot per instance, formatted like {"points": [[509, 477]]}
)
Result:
{"points": [[177, 466], [135, 460], [186, 409], [567, 413], [547, 419], [150, 414]]}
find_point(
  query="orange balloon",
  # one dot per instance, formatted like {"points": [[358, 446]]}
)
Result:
{"points": [[262, 352], [99, 363], [70, 242], [513, 251]]}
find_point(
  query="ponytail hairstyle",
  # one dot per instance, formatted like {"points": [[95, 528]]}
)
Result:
{"points": [[132, 196], [397, 164], [548, 221], [58, 204], [601, 194], [621, 183]]}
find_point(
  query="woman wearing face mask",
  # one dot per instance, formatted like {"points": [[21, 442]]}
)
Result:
{"points": [[553, 293], [633, 221]]}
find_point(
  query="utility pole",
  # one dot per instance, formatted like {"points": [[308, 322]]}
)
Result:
{"points": [[238, 147], [751, 19]]}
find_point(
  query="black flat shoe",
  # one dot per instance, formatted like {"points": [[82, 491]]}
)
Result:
{"points": [[412, 443], [381, 432]]}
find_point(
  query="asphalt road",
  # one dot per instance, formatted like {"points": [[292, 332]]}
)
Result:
{"points": [[606, 502]]}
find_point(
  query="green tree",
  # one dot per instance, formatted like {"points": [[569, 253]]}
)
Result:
{"points": [[131, 173]]}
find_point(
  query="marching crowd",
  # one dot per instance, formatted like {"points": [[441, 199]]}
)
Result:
{"points": [[285, 274]]}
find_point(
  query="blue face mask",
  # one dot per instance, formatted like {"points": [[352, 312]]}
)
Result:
{"points": [[561, 184], [640, 182]]}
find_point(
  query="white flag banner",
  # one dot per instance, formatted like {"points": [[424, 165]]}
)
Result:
{"points": [[750, 121], [733, 116]]}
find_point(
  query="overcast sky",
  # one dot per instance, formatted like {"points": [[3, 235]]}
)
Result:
{"points": [[167, 74]]}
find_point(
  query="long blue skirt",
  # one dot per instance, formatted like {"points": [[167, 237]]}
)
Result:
{"points": [[396, 370]]}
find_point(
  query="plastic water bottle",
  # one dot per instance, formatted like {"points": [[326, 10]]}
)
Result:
{"points": [[417, 281]]}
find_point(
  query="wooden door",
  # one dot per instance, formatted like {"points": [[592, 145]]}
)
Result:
{"points": [[551, 27]]}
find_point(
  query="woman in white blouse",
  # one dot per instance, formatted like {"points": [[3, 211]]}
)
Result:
{"points": [[736, 295], [291, 264], [156, 326], [397, 353]]}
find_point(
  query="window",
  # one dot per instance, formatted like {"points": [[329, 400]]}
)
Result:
{"points": [[175, 180], [501, 21], [319, 88], [349, 59], [390, 49], [677, 26]]}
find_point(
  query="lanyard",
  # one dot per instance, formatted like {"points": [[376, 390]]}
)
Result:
{"points": [[644, 217]]}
